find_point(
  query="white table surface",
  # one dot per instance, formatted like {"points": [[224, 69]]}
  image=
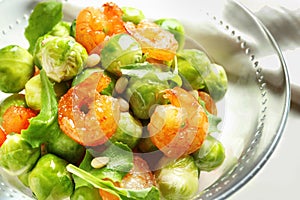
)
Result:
{"points": [[279, 178]]}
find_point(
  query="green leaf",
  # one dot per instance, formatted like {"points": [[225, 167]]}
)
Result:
{"points": [[43, 18], [151, 193], [44, 126], [121, 157], [120, 163]]}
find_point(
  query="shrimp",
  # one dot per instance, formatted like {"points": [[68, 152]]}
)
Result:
{"points": [[16, 118], [94, 24], [156, 42], [85, 115], [2, 136], [210, 105], [178, 128], [138, 178]]}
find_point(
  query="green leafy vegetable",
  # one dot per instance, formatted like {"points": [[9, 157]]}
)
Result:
{"points": [[120, 162], [150, 193], [43, 18], [44, 126]]}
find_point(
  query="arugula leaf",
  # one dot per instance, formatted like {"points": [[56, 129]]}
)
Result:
{"points": [[151, 193], [44, 126], [120, 163], [43, 18], [121, 157]]}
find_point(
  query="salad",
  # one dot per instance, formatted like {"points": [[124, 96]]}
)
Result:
{"points": [[109, 106]]}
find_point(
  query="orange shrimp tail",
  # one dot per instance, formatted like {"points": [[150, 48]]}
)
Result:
{"points": [[113, 14], [90, 24], [93, 25]]}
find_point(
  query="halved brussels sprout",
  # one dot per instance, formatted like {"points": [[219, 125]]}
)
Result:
{"points": [[61, 57], [133, 15], [50, 179], [177, 179], [16, 68], [17, 156], [129, 130], [211, 154], [121, 49]]}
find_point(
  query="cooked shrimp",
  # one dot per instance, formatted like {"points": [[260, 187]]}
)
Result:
{"points": [[210, 104], [94, 24], [16, 118], [138, 178], [2, 136], [87, 116], [156, 42], [178, 128]]}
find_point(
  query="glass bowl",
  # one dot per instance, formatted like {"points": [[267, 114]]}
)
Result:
{"points": [[256, 105]]}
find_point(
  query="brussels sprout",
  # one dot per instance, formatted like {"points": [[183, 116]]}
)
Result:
{"points": [[33, 89], [216, 82], [145, 144], [24, 178], [192, 64], [89, 71], [129, 130], [211, 154], [175, 27], [86, 193], [61, 29], [16, 68], [120, 50], [177, 179], [61, 57], [200, 74], [12, 100], [49, 179], [17, 156], [143, 94], [146, 81], [66, 148], [133, 15]]}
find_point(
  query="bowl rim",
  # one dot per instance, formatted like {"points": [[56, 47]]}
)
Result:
{"points": [[286, 108]]}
